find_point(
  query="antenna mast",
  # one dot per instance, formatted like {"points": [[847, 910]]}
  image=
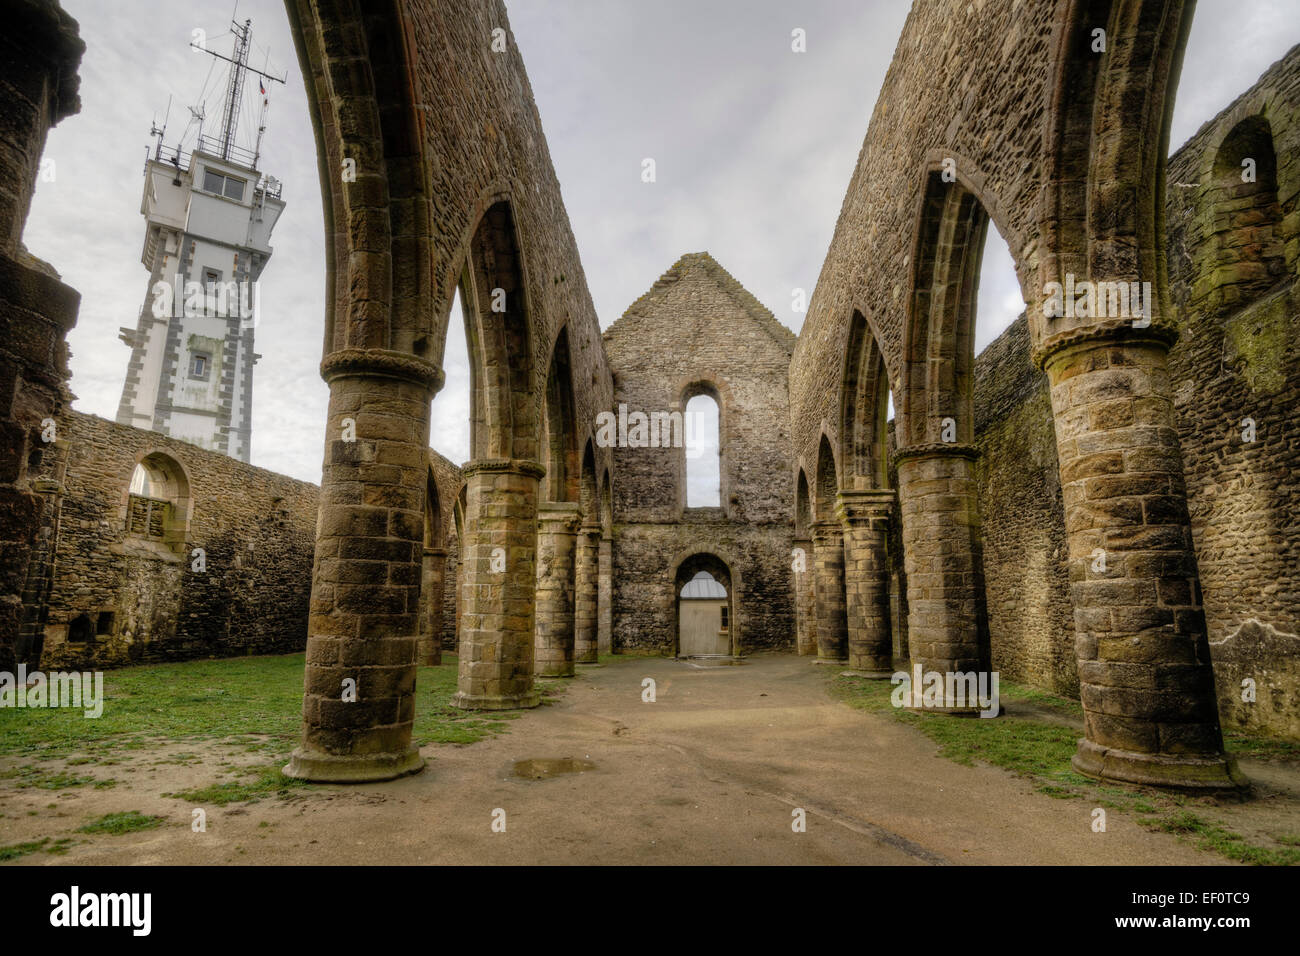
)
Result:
{"points": [[235, 85]]}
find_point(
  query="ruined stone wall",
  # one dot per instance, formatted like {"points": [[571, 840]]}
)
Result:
{"points": [[1026, 574], [944, 97], [142, 601], [1234, 254], [39, 55], [698, 331], [485, 142], [1236, 359]]}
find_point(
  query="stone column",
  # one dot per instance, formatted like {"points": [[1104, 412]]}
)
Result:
{"points": [[500, 585], [1145, 678], [828, 571], [359, 685], [865, 515], [39, 56], [936, 488], [605, 597], [585, 600], [805, 630], [557, 528], [432, 587]]}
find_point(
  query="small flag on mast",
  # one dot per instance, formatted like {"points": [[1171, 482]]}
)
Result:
{"points": [[261, 87]]}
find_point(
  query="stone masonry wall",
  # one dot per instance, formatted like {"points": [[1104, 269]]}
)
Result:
{"points": [[1236, 358], [144, 602], [697, 330]]}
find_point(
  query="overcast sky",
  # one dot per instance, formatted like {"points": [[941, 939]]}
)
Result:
{"points": [[754, 147]]}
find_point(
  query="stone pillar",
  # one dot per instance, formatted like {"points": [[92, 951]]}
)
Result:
{"points": [[432, 587], [936, 487], [865, 515], [497, 601], [557, 530], [605, 597], [805, 611], [1145, 678], [828, 571], [39, 55], [359, 685], [585, 600]]}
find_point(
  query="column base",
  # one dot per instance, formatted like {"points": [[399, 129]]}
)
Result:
{"points": [[591, 663], [495, 702], [1159, 770], [837, 661], [321, 767], [561, 670], [956, 711]]}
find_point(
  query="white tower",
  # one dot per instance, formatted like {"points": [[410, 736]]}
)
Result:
{"points": [[209, 215]]}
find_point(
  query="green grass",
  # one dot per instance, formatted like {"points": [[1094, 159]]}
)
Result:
{"points": [[265, 782], [1041, 751], [116, 824], [253, 701]]}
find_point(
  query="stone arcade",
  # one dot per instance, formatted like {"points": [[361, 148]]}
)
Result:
{"points": [[960, 537]]}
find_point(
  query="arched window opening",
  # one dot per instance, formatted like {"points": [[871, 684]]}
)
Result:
{"points": [[998, 301], [803, 507], [827, 483], [559, 429], [1248, 251], [703, 452], [451, 414], [865, 412], [157, 508]]}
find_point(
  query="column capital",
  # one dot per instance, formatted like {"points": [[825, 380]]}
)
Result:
{"points": [[517, 466], [937, 449], [860, 507], [824, 529], [381, 363], [558, 517], [1101, 334]]}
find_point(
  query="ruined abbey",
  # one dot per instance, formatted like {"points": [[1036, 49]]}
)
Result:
{"points": [[1102, 504]]}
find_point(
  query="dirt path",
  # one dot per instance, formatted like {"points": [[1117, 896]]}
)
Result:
{"points": [[708, 773]]}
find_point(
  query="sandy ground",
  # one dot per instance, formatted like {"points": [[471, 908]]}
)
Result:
{"points": [[711, 772]]}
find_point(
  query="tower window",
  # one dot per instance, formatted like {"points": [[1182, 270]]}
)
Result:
{"points": [[199, 363], [227, 186]]}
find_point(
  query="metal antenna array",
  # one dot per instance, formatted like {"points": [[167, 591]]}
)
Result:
{"points": [[235, 85]]}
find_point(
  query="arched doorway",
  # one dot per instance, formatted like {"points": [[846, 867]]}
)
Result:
{"points": [[705, 608]]}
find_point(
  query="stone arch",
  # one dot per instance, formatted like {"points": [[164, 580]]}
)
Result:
{"points": [[560, 444], [939, 334], [1106, 140], [803, 514], [606, 503], [357, 59], [864, 404], [161, 512], [499, 337], [827, 482], [722, 567], [1246, 254], [1103, 220], [588, 489]]}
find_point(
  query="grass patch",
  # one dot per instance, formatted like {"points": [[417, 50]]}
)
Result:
{"points": [[1041, 751], [41, 779], [15, 850], [265, 782], [254, 701], [116, 824]]}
